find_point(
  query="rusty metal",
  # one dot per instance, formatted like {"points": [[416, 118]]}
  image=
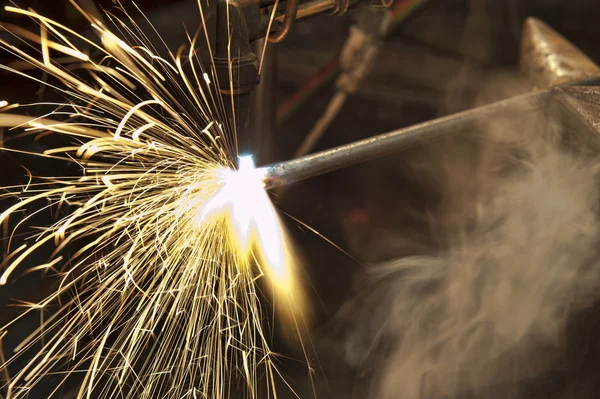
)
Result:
{"points": [[548, 59]]}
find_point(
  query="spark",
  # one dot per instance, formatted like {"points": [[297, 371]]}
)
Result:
{"points": [[161, 242]]}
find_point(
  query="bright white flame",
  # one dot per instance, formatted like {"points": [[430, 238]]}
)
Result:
{"points": [[254, 219]]}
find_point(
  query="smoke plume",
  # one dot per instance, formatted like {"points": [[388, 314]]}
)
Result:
{"points": [[518, 218]]}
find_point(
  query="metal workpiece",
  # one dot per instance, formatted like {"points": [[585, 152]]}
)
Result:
{"points": [[288, 172], [548, 59]]}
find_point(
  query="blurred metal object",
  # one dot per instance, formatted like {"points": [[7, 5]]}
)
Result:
{"points": [[356, 61], [264, 104], [342, 6], [361, 48], [291, 8], [548, 59], [289, 172], [236, 64], [311, 8], [239, 23], [382, 3]]}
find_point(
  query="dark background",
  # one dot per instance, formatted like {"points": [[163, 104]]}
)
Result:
{"points": [[439, 62]]}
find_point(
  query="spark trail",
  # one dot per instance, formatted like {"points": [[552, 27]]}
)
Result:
{"points": [[160, 298]]}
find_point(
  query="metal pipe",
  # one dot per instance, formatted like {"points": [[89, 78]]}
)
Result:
{"points": [[264, 104], [311, 8], [288, 172], [236, 65], [291, 9]]}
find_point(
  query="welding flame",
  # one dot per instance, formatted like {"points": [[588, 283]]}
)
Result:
{"points": [[255, 226]]}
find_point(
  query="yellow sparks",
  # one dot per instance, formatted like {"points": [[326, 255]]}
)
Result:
{"points": [[161, 244]]}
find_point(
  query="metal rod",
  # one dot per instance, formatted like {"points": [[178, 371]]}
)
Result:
{"points": [[288, 172]]}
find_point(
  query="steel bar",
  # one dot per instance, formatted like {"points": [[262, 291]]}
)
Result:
{"points": [[288, 172]]}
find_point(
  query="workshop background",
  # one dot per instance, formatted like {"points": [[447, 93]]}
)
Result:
{"points": [[442, 57]]}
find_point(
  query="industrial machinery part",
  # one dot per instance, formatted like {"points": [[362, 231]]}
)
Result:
{"points": [[291, 9], [542, 47], [238, 24]]}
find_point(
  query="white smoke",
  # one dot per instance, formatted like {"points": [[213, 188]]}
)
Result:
{"points": [[520, 223]]}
